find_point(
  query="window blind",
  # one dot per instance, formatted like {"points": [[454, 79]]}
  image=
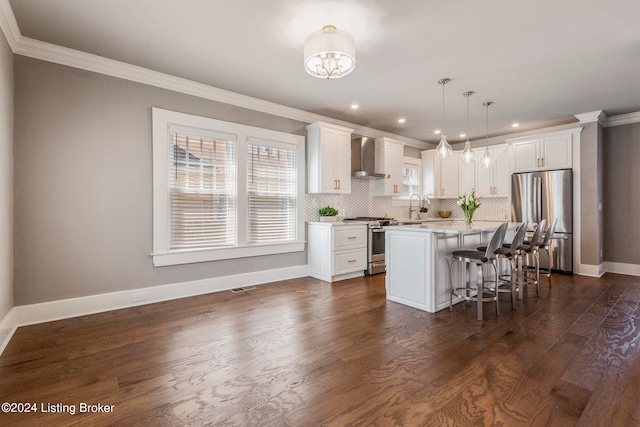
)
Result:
{"points": [[410, 182], [202, 190], [271, 192]]}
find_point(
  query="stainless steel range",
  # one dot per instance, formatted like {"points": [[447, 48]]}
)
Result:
{"points": [[375, 242]]}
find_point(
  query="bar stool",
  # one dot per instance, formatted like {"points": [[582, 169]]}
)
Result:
{"points": [[530, 250], [544, 246], [513, 253], [479, 259]]}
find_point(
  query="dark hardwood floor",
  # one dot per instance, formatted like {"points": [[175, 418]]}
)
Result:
{"points": [[305, 353]]}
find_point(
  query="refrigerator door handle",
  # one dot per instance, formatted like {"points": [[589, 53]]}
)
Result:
{"points": [[536, 201]]}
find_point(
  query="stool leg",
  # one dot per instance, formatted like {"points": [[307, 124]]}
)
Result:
{"points": [[497, 292], [536, 257], [451, 284], [480, 291]]}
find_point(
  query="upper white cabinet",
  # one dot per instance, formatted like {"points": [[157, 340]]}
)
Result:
{"points": [[328, 158], [543, 152], [494, 180], [389, 158], [466, 177], [441, 177]]}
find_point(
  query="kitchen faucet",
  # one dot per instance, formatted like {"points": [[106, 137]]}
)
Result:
{"points": [[411, 205]]}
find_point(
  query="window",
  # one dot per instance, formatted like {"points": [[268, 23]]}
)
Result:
{"points": [[410, 182], [224, 190], [271, 193], [202, 190], [411, 177]]}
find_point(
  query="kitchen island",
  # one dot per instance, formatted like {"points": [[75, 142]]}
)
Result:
{"points": [[418, 259]]}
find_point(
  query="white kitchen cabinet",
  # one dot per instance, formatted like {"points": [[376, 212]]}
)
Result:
{"points": [[328, 159], [543, 152], [446, 173], [466, 177], [441, 177], [389, 160], [336, 251], [494, 180]]}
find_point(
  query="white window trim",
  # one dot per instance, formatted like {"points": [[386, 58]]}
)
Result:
{"points": [[412, 161], [162, 256]]}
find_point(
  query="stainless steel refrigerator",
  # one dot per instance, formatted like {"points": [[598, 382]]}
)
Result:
{"points": [[547, 195]]}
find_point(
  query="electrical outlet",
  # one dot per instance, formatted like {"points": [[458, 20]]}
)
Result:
{"points": [[138, 296]]}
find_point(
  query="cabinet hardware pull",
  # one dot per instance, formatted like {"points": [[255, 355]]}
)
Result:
{"points": [[542, 161], [335, 184], [352, 260], [351, 237], [338, 184]]}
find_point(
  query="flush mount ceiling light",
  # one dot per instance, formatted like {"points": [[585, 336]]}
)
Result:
{"points": [[443, 150], [467, 154], [487, 159], [329, 53]]}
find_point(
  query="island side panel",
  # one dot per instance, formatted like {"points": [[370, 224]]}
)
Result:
{"points": [[410, 269]]}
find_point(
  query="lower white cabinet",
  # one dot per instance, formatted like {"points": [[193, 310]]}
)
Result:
{"points": [[336, 251]]}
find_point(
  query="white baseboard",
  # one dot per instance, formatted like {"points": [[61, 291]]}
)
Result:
{"points": [[64, 309], [621, 268], [7, 328], [591, 270]]}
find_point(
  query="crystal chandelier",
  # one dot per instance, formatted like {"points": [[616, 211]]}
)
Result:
{"points": [[443, 150], [329, 53], [467, 154]]}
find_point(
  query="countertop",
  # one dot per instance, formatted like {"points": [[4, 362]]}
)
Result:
{"points": [[338, 223], [451, 227]]}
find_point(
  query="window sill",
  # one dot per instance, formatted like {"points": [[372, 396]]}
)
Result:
{"points": [[218, 254]]}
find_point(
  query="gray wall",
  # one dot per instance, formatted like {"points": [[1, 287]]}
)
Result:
{"points": [[83, 182], [622, 193], [6, 179]]}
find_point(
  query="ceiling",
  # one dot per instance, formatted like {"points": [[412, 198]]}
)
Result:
{"points": [[540, 62]]}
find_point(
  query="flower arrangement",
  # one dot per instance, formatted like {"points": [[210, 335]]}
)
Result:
{"points": [[469, 204]]}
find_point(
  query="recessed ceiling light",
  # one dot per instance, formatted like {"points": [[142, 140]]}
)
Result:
{"points": [[462, 135], [515, 125], [437, 132], [401, 120], [354, 106]]}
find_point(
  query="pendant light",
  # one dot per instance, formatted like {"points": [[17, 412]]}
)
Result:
{"points": [[487, 158], [467, 154], [443, 150]]}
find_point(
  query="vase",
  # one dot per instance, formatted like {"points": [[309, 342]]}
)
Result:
{"points": [[328, 218], [468, 216]]}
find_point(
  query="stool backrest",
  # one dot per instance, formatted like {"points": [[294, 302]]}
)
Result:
{"points": [[518, 239], [549, 234], [536, 239], [495, 243]]}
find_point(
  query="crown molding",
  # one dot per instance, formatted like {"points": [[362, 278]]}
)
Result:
{"points": [[73, 58], [9, 24], [593, 116], [623, 119]]}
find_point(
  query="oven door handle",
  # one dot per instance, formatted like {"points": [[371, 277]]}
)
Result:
{"points": [[377, 230]]}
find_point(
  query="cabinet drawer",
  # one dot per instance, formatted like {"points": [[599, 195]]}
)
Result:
{"points": [[351, 237], [345, 262]]}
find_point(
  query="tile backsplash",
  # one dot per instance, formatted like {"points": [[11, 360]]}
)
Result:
{"points": [[362, 202]]}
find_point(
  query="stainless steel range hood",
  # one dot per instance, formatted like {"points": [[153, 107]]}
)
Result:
{"points": [[363, 159]]}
